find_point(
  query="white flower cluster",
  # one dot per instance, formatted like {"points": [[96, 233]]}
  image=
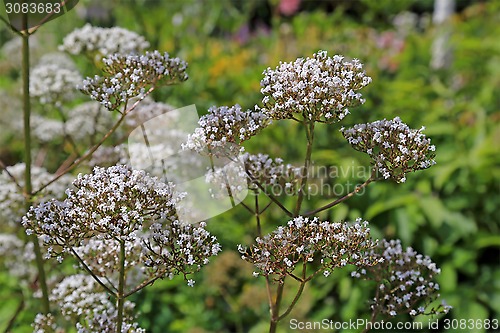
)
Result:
{"points": [[87, 120], [225, 128], [305, 240], [51, 83], [271, 172], [102, 42], [43, 128], [17, 257], [182, 248], [113, 203], [394, 148], [404, 280], [119, 203], [12, 200], [44, 323], [81, 299], [146, 110], [320, 88], [129, 75], [57, 58], [102, 257]]}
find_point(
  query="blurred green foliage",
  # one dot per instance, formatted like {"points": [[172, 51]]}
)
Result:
{"points": [[449, 212]]}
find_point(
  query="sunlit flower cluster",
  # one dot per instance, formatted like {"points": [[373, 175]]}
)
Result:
{"points": [[98, 41], [225, 128], [113, 203], [320, 88], [404, 280], [394, 148], [305, 240], [119, 204], [51, 83], [129, 75]]}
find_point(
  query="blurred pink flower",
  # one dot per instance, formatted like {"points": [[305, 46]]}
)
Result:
{"points": [[289, 7]]}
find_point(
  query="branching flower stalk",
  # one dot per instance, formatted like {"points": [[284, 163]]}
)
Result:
{"points": [[318, 89]]}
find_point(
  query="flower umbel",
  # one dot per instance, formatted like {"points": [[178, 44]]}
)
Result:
{"points": [[129, 75], [103, 41], [404, 280], [320, 88], [304, 240], [394, 148], [226, 128]]}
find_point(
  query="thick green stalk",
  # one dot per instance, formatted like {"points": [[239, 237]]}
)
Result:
{"points": [[120, 299], [27, 161], [275, 308]]}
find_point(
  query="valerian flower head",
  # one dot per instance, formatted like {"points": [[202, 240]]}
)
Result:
{"points": [[404, 280], [395, 148], [225, 128], [101, 42], [121, 205], [129, 75], [51, 83], [113, 202], [17, 257], [45, 323], [81, 299], [305, 240], [270, 172], [320, 88], [181, 249]]}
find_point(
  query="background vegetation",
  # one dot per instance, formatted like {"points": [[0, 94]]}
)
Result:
{"points": [[449, 212]]}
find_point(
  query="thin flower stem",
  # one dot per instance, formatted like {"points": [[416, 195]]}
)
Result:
{"points": [[307, 163], [373, 315], [339, 200], [275, 308], [247, 208], [12, 320], [4, 167], [96, 278], [28, 189], [11, 27], [120, 299], [47, 17], [91, 151], [298, 294], [143, 285], [269, 195], [257, 216]]}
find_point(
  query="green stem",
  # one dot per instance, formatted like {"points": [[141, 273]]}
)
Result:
{"points": [[275, 308], [339, 200], [303, 282], [28, 189], [96, 278], [307, 163], [120, 299]]}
